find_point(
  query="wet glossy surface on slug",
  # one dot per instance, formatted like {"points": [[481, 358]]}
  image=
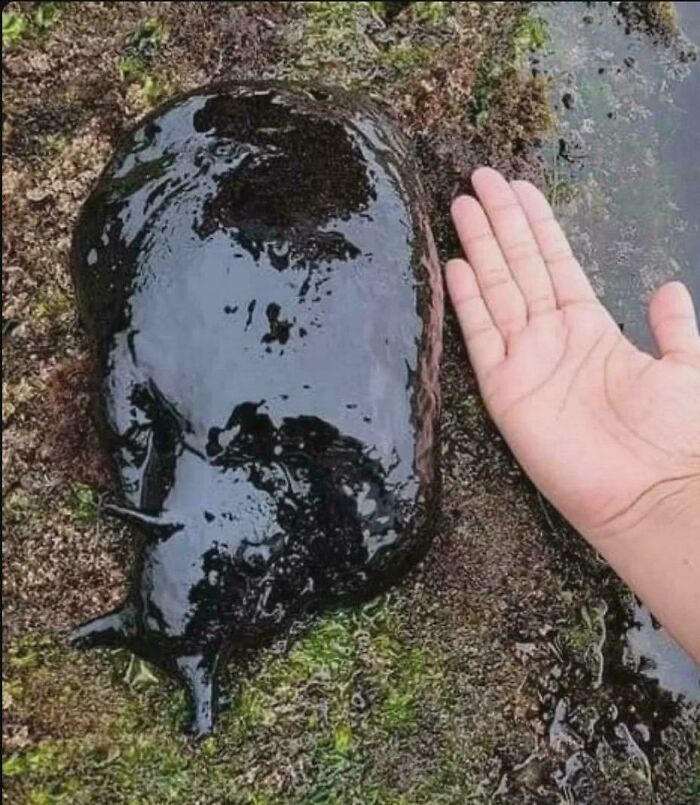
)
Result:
{"points": [[255, 272]]}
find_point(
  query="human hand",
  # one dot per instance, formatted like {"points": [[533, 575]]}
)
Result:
{"points": [[607, 432]]}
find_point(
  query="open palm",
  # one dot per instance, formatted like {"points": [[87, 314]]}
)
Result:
{"points": [[606, 431]]}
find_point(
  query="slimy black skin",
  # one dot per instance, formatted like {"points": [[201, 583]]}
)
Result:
{"points": [[258, 281]]}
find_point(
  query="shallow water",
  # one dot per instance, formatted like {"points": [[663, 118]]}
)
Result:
{"points": [[625, 161], [626, 182]]}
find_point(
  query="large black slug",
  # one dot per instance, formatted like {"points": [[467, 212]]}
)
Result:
{"points": [[256, 274]]}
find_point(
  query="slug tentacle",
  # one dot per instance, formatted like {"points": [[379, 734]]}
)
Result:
{"points": [[198, 675], [113, 630], [152, 524]]}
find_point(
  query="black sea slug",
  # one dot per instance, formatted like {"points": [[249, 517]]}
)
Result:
{"points": [[258, 281]]}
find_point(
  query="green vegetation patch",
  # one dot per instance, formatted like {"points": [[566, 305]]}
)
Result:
{"points": [[336, 39], [529, 33], [14, 28], [51, 304], [17, 507], [135, 66], [84, 504], [18, 27], [583, 639], [431, 13], [100, 726], [358, 44], [149, 36]]}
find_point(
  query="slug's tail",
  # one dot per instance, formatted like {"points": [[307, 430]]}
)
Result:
{"points": [[198, 676], [112, 630], [196, 672]]}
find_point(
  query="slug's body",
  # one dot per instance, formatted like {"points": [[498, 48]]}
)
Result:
{"points": [[256, 275]]}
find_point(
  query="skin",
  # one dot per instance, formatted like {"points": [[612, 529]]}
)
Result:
{"points": [[608, 433]]}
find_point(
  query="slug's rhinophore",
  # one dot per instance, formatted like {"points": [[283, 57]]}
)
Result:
{"points": [[257, 277]]}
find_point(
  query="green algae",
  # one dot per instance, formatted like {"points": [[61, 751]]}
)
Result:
{"points": [[84, 504], [153, 90], [149, 35], [339, 40], [433, 13], [17, 508], [97, 730], [357, 44], [20, 27], [136, 66], [14, 28], [585, 635], [529, 33], [50, 305], [335, 39]]}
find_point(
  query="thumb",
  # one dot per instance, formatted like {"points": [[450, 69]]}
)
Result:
{"points": [[673, 319]]}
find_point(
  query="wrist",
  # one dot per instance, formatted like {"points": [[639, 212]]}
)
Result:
{"points": [[668, 506], [656, 551]]}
